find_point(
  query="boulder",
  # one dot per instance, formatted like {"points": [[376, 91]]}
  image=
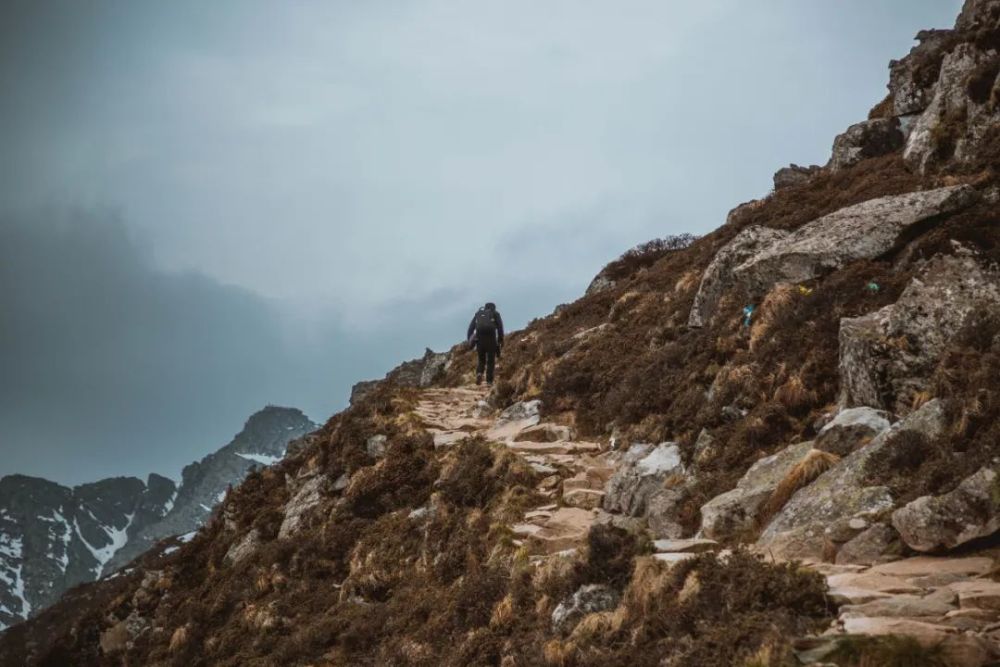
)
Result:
{"points": [[798, 530], [870, 138], [862, 231], [586, 600], [642, 472], [929, 312], [244, 547], [736, 511], [872, 545], [850, 428], [521, 411], [718, 276], [375, 446], [662, 512], [309, 495], [793, 174], [970, 511]]}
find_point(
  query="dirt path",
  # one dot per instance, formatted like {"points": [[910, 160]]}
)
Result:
{"points": [[948, 602]]}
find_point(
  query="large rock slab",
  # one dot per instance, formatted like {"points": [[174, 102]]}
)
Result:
{"points": [[930, 311], [862, 231], [642, 472], [970, 511], [586, 600], [717, 278], [310, 494], [798, 531], [736, 511]]}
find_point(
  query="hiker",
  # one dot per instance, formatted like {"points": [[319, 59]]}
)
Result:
{"points": [[486, 335], [748, 314]]}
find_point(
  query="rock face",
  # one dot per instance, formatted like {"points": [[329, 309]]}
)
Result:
{"points": [[840, 494], [931, 310], [970, 511], [862, 231], [954, 122], [911, 84], [867, 139], [54, 537], [737, 510], [642, 473], [718, 276]]}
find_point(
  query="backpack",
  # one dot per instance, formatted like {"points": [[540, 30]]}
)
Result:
{"points": [[486, 323]]}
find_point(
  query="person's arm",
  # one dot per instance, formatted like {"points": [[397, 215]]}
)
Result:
{"points": [[472, 329], [499, 328]]}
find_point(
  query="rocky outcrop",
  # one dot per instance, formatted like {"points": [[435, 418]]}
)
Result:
{"points": [[875, 370], [642, 472], [586, 600], [841, 494], [862, 231], [794, 174], [717, 278], [912, 79], [736, 512], [870, 138], [970, 511], [309, 494], [422, 372], [954, 122]]}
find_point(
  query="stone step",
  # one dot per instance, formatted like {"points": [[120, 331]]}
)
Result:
{"points": [[565, 529], [693, 545], [928, 565], [544, 432], [554, 448], [585, 498]]}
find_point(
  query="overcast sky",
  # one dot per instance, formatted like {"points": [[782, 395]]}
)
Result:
{"points": [[210, 206]]}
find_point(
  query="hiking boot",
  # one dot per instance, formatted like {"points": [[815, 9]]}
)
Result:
{"points": [[479, 380]]}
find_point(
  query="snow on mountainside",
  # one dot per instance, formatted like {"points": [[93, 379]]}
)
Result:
{"points": [[54, 537]]}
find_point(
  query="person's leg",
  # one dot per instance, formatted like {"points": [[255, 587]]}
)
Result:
{"points": [[491, 360], [481, 364]]}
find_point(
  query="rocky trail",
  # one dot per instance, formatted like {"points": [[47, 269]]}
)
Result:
{"points": [[948, 604]]}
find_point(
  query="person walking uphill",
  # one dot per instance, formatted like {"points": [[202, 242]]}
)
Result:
{"points": [[486, 335]]}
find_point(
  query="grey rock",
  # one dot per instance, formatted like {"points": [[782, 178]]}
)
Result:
{"points": [[662, 510], [862, 231], [930, 311], [640, 475], [422, 372], [375, 446], [970, 511], [586, 600], [850, 428], [950, 102], [867, 139], [873, 545], [600, 283], [736, 511], [309, 494], [793, 174], [718, 276], [798, 531], [521, 411], [244, 547], [705, 448], [909, 85]]}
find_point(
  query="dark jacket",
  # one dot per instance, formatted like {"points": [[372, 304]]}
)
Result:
{"points": [[499, 328]]}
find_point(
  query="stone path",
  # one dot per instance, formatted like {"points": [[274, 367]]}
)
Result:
{"points": [[949, 603], [574, 472]]}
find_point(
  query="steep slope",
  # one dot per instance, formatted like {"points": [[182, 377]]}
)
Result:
{"points": [[563, 519], [54, 537]]}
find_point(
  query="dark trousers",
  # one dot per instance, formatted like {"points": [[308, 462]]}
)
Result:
{"points": [[487, 361]]}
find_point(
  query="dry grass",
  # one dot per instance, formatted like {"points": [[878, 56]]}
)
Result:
{"points": [[813, 464]]}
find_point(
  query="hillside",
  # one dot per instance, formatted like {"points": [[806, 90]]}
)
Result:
{"points": [[656, 479], [54, 537]]}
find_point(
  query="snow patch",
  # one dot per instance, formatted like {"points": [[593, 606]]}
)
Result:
{"points": [[205, 507], [170, 550], [187, 537], [12, 550], [263, 459], [65, 538], [169, 505], [117, 538]]}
